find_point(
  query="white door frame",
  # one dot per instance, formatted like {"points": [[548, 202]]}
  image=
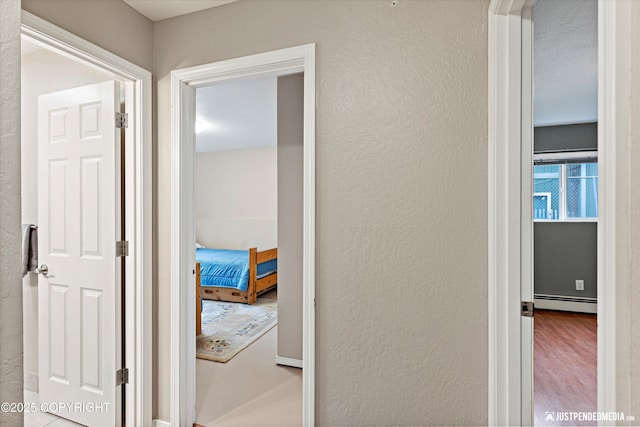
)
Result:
{"points": [[183, 84], [510, 262], [138, 205]]}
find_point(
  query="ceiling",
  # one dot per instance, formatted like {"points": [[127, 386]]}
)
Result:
{"points": [[565, 61], [157, 10], [238, 115]]}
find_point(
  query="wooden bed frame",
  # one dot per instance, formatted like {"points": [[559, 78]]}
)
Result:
{"points": [[256, 286]]}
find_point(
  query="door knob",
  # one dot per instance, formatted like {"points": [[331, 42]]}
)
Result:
{"points": [[42, 270]]}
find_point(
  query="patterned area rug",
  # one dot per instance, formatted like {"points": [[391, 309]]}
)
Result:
{"points": [[229, 327]]}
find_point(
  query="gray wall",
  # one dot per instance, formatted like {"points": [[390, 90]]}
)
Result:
{"points": [[290, 216], [111, 24], [564, 252], [583, 136], [401, 266], [10, 232]]}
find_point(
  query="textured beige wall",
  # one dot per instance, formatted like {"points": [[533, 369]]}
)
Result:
{"points": [[401, 196], [10, 259], [111, 24], [42, 72], [627, 213], [236, 204], [290, 214]]}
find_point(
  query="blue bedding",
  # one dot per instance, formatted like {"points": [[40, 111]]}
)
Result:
{"points": [[229, 268]]}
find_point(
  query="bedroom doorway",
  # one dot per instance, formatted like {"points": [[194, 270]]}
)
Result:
{"points": [[283, 64], [79, 73], [248, 226], [511, 211], [565, 208]]}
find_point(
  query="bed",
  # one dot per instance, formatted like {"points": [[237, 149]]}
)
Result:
{"points": [[237, 275]]}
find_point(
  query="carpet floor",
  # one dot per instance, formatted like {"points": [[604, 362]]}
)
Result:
{"points": [[249, 390]]}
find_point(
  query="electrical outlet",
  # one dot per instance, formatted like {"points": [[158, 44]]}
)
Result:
{"points": [[579, 285]]}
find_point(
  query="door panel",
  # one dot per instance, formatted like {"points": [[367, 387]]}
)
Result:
{"points": [[79, 223]]}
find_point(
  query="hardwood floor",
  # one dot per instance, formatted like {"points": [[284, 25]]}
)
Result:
{"points": [[565, 365]]}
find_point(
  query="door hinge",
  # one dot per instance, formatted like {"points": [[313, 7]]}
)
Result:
{"points": [[122, 376], [122, 120], [122, 248], [526, 308]]}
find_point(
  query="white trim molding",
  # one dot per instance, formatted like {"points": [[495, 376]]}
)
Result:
{"points": [[288, 361], [31, 382], [614, 65], [504, 211], [299, 59], [139, 307], [160, 423]]}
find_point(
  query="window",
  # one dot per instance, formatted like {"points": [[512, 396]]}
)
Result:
{"points": [[565, 192], [546, 191]]}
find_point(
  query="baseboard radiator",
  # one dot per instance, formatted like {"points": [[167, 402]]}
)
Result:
{"points": [[566, 303]]}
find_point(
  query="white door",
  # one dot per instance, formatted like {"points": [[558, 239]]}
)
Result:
{"points": [[78, 226]]}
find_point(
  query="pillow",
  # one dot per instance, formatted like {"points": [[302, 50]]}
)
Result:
{"points": [[199, 246]]}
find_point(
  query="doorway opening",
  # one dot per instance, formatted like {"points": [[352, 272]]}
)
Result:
{"points": [[55, 61], [511, 210], [185, 82], [248, 194], [565, 209]]}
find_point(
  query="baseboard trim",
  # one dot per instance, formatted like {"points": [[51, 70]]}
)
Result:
{"points": [[160, 423], [31, 382], [287, 361], [579, 307]]}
